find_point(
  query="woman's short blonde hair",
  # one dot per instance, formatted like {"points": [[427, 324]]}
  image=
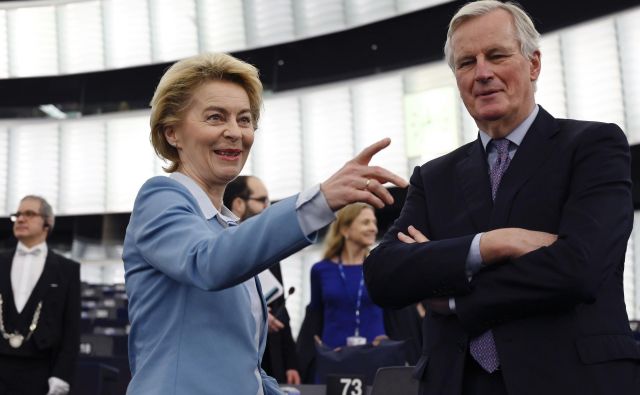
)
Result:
{"points": [[334, 240], [174, 91]]}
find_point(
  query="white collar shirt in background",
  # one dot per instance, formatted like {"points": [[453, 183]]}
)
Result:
{"points": [[27, 266]]}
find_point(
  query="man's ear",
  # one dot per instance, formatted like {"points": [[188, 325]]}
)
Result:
{"points": [[536, 65], [171, 137], [238, 207]]}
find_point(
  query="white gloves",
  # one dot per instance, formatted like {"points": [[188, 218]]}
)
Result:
{"points": [[58, 386]]}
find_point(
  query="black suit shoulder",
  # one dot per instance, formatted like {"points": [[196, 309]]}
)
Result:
{"points": [[449, 160], [65, 263], [580, 132]]}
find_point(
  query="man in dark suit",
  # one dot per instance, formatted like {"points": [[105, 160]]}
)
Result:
{"points": [[517, 240], [247, 196], [40, 303]]}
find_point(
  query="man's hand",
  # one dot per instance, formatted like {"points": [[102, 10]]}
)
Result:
{"points": [[356, 181], [506, 243], [293, 377], [413, 236], [438, 305], [274, 324]]}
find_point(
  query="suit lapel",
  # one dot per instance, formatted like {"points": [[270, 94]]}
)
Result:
{"points": [[534, 151], [5, 275], [473, 173], [8, 304]]}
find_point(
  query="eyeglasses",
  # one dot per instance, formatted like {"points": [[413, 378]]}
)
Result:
{"points": [[27, 214], [261, 199]]}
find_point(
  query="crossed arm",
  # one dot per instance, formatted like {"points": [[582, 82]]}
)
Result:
{"points": [[525, 272], [497, 245]]}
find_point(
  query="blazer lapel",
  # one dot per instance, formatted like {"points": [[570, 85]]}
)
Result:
{"points": [[473, 173], [534, 151]]}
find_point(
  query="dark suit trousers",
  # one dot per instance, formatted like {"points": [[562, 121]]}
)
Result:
{"points": [[23, 376]]}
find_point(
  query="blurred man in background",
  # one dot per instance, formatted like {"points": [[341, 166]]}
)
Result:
{"points": [[247, 196], [39, 307]]}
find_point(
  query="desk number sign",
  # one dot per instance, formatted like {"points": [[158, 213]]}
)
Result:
{"points": [[350, 384]]}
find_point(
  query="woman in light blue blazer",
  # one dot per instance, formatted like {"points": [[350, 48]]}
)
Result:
{"points": [[197, 313]]}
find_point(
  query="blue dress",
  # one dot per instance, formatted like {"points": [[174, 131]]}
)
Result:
{"points": [[337, 300]]}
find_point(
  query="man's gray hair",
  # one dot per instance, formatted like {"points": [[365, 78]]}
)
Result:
{"points": [[526, 32], [45, 210]]}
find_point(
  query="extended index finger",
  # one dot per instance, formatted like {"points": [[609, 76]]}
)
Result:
{"points": [[364, 157], [383, 175]]}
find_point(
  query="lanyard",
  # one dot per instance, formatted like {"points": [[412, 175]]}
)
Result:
{"points": [[358, 300]]}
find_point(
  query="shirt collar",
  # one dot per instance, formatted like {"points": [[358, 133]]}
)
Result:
{"points": [[208, 209], [516, 135], [42, 247]]}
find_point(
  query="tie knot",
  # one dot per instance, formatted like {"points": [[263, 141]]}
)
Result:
{"points": [[502, 146]]}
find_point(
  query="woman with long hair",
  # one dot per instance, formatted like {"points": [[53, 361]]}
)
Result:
{"points": [[337, 284]]}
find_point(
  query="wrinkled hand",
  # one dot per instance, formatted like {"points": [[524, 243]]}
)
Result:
{"points": [[413, 236], [293, 377], [508, 243], [356, 181], [274, 324]]}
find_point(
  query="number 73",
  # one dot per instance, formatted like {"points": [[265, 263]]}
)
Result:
{"points": [[355, 384]]}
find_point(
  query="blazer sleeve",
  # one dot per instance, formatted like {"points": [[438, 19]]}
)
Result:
{"points": [[398, 274], [595, 224], [65, 358], [169, 232]]}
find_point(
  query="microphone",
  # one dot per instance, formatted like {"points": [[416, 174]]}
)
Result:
{"points": [[290, 291], [279, 313]]}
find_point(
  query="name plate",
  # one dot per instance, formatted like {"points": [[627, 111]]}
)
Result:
{"points": [[346, 384]]}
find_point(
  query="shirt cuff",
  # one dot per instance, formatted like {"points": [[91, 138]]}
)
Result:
{"points": [[313, 211], [473, 263]]}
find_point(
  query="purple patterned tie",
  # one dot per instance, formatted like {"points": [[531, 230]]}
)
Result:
{"points": [[501, 164], [483, 347]]}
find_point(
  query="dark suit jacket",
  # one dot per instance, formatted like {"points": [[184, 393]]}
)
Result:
{"points": [[280, 352], [57, 336], [558, 314]]}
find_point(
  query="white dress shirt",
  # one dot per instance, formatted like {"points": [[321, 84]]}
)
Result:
{"points": [[26, 269]]}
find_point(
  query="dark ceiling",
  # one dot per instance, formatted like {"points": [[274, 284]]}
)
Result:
{"points": [[403, 41]]}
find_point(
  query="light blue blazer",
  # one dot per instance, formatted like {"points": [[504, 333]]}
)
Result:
{"points": [[192, 328]]}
